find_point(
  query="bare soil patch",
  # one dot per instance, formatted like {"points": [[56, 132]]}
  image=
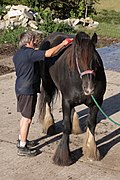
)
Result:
{"points": [[5, 70]]}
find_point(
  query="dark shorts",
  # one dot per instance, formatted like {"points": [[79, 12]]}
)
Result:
{"points": [[26, 105]]}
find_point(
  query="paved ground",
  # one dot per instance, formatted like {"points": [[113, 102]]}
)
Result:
{"points": [[41, 167]]}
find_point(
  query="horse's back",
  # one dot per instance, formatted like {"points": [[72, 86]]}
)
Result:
{"points": [[54, 39]]}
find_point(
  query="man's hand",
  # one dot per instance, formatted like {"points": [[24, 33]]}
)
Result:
{"points": [[67, 41]]}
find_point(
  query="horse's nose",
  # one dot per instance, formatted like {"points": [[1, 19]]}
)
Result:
{"points": [[88, 86], [88, 91]]}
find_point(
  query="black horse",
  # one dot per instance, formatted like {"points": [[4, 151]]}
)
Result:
{"points": [[77, 72]]}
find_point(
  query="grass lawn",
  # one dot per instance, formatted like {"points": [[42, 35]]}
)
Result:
{"points": [[103, 29], [109, 23], [108, 5]]}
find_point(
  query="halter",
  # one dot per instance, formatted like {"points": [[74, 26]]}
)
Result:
{"points": [[84, 72]]}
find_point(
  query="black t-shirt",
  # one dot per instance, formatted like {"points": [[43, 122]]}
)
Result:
{"points": [[26, 61]]}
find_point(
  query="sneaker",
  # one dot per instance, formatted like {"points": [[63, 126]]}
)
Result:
{"points": [[29, 144], [25, 151]]}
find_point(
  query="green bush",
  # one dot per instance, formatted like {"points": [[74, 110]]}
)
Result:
{"points": [[11, 35], [2, 10], [56, 27], [49, 26]]}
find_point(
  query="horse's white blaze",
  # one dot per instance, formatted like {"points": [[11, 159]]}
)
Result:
{"points": [[88, 90]]}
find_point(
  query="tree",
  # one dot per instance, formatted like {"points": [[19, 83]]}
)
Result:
{"points": [[60, 8], [89, 6]]}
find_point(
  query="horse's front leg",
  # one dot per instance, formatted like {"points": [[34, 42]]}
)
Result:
{"points": [[62, 154], [75, 122], [90, 150]]}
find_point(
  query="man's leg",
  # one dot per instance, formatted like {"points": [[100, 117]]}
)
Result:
{"points": [[23, 149], [24, 128], [26, 105], [24, 131]]}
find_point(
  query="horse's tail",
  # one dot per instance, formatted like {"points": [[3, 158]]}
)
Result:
{"points": [[42, 105], [48, 94]]}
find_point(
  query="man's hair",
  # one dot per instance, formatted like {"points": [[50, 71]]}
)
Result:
{"points": [[25, 38]]}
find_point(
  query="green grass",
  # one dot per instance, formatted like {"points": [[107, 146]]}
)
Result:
{"points": [[108, 16], [108, 5], [108, 30], [103, 29]]}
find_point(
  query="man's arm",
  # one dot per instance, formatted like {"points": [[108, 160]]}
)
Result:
{"points": [[52, 51]]}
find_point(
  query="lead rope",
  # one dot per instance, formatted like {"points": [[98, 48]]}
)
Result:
{"points": [[95, 99], [104, 112]]}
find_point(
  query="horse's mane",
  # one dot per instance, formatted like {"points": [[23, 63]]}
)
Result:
{"points": [[82, 49]]}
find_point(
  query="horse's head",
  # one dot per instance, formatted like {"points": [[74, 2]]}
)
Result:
{"points": [[85, 56]]}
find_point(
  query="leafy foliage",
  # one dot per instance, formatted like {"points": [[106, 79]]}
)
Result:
{"points": [[2, 10], [60, 8], [11, 35], [50, 26], [48, 10]]}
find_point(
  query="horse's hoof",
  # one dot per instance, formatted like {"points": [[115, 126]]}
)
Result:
{"points": [[77, 131], [62, 155], [93, 156], [50, 131], [61, 162]]}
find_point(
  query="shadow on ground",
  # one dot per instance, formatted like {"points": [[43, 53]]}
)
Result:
{"points": [[104, 144]]}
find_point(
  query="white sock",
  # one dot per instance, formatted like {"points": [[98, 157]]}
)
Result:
{"points": [[22, 143]]}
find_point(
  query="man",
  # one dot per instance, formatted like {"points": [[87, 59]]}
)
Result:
{"points": [[28, 84]]}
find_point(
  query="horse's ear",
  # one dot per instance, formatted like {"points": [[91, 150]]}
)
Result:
{"points": [[94, 38]]}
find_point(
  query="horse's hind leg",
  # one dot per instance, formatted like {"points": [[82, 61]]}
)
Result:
{"points": [[90, 150], [48, 122], [46, 117], [75, 122]]}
